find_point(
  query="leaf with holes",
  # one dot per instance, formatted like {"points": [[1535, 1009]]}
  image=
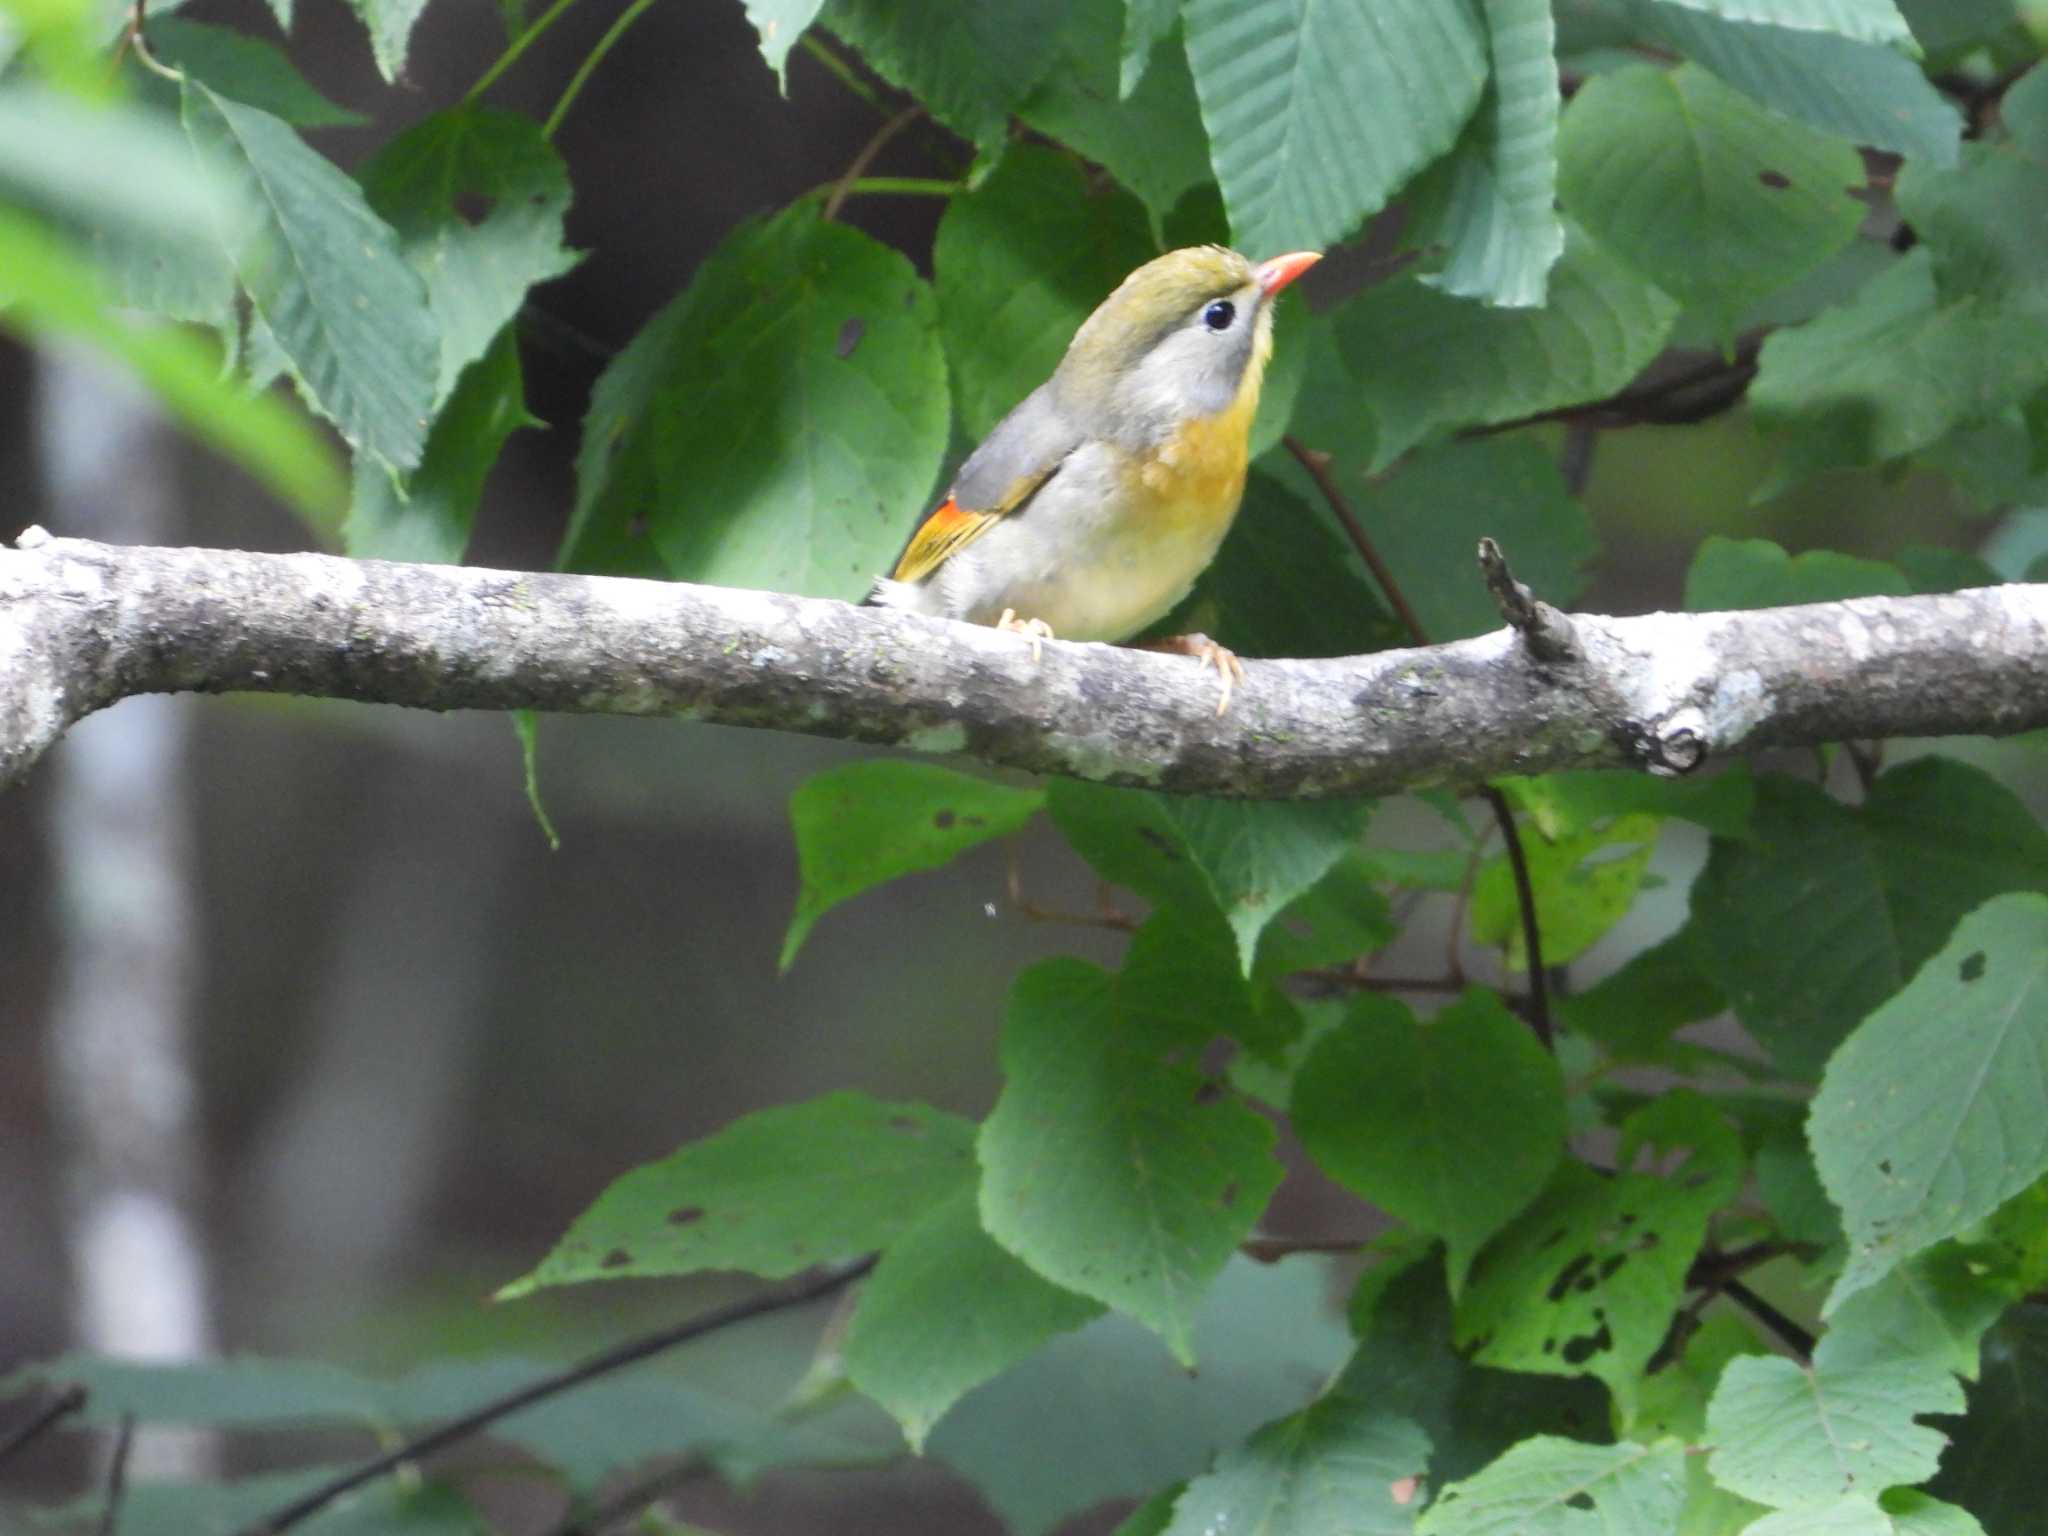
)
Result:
{"points": [[1916, 1156], [772, 1193], [1319, 112], [1586, 1280], [1111, 1164], [866, 823], [1452, 1126]]}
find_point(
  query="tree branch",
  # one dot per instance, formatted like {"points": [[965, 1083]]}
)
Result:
{"points": [[83, 625]]}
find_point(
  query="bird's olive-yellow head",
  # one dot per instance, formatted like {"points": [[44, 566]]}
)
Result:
{"points": [[1187, 335]]}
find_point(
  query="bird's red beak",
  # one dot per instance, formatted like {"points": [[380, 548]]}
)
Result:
{"points": [[1281, 270]]}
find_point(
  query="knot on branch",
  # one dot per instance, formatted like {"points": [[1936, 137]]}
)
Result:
{"points": [[1676, 745], [1547, 633]]}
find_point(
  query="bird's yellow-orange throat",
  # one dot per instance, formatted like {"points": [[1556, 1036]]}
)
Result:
{"points": [[1196, 477]]}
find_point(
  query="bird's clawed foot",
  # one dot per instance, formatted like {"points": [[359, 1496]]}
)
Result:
{"points": [[1037, 631], [1229, 670]]}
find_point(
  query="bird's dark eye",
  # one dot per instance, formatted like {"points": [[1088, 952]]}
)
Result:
{"points": [[1219, 315]]}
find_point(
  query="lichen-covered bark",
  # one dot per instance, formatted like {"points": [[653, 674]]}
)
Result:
{"points": [[83, 625]]}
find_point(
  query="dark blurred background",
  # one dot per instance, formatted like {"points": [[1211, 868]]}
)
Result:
{"points": [[417, 1042]]}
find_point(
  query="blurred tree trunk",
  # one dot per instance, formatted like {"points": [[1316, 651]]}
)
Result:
{"points": [[121, 1021]]}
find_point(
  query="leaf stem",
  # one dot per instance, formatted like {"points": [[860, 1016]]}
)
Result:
{"points": [[868, 151], [1799, 1340], [588, 67], [811, 44], [117, 1471], [515, 48], [62, 1406], [812, 1288]]}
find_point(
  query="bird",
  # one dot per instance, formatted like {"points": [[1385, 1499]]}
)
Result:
{"points": [[1092, 507]]}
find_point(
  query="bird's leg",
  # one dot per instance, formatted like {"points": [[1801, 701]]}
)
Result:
{"points": [[1229, 670], [1037, 631]]}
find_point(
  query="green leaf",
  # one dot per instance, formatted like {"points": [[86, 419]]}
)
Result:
{"points": [[865, 823], [1866, 93], [1110, 1165], [1755, 573], [1551, 1487], [1499, 217], [52, 293], [1427, 520], [1992, 1466], [327, 277], [778, 425], [1452, 1126], [1789, 1435], [430, 183], [1826, 910], [1284, 83], [1673, 1399], [1328, 1470], [1852, 1516], [1181, 978], [1150, 138], [1633, 1012], [1118, 1417], [969, 61], [1573, 800], [1280, 545], [1946, 339], [946, 1310], [526, 725], [1715, 200], [429, 518], [1146, 25], [773, 1193], [1461, 363], [1584, 884], [1914, 1513], [1944, 25], [780, 23], [1934, 1307], [1866, 21], [252, 70], [1245, 860], [1916, 1156], [1341, 917], [1406, 1364], [390, 24], [1019, 264], [2024, 111], [1587, 1280]]}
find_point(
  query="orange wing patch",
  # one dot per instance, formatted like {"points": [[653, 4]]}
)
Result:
{"points": [[952, 527]]}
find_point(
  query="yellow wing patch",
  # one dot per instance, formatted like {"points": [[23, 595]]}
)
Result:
{"points": [[952, 527]]}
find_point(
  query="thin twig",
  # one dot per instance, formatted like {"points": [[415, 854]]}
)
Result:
{"points": [[1688, 395], [635, 1497], [588, 67], [1270, 1250], [117, 1475], [812, 44], [1797, 1339], [1525, 898], [518, 46], [876, 143], [822, 1283], [62, 1406], [1547, 633], [1318, 467]]}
